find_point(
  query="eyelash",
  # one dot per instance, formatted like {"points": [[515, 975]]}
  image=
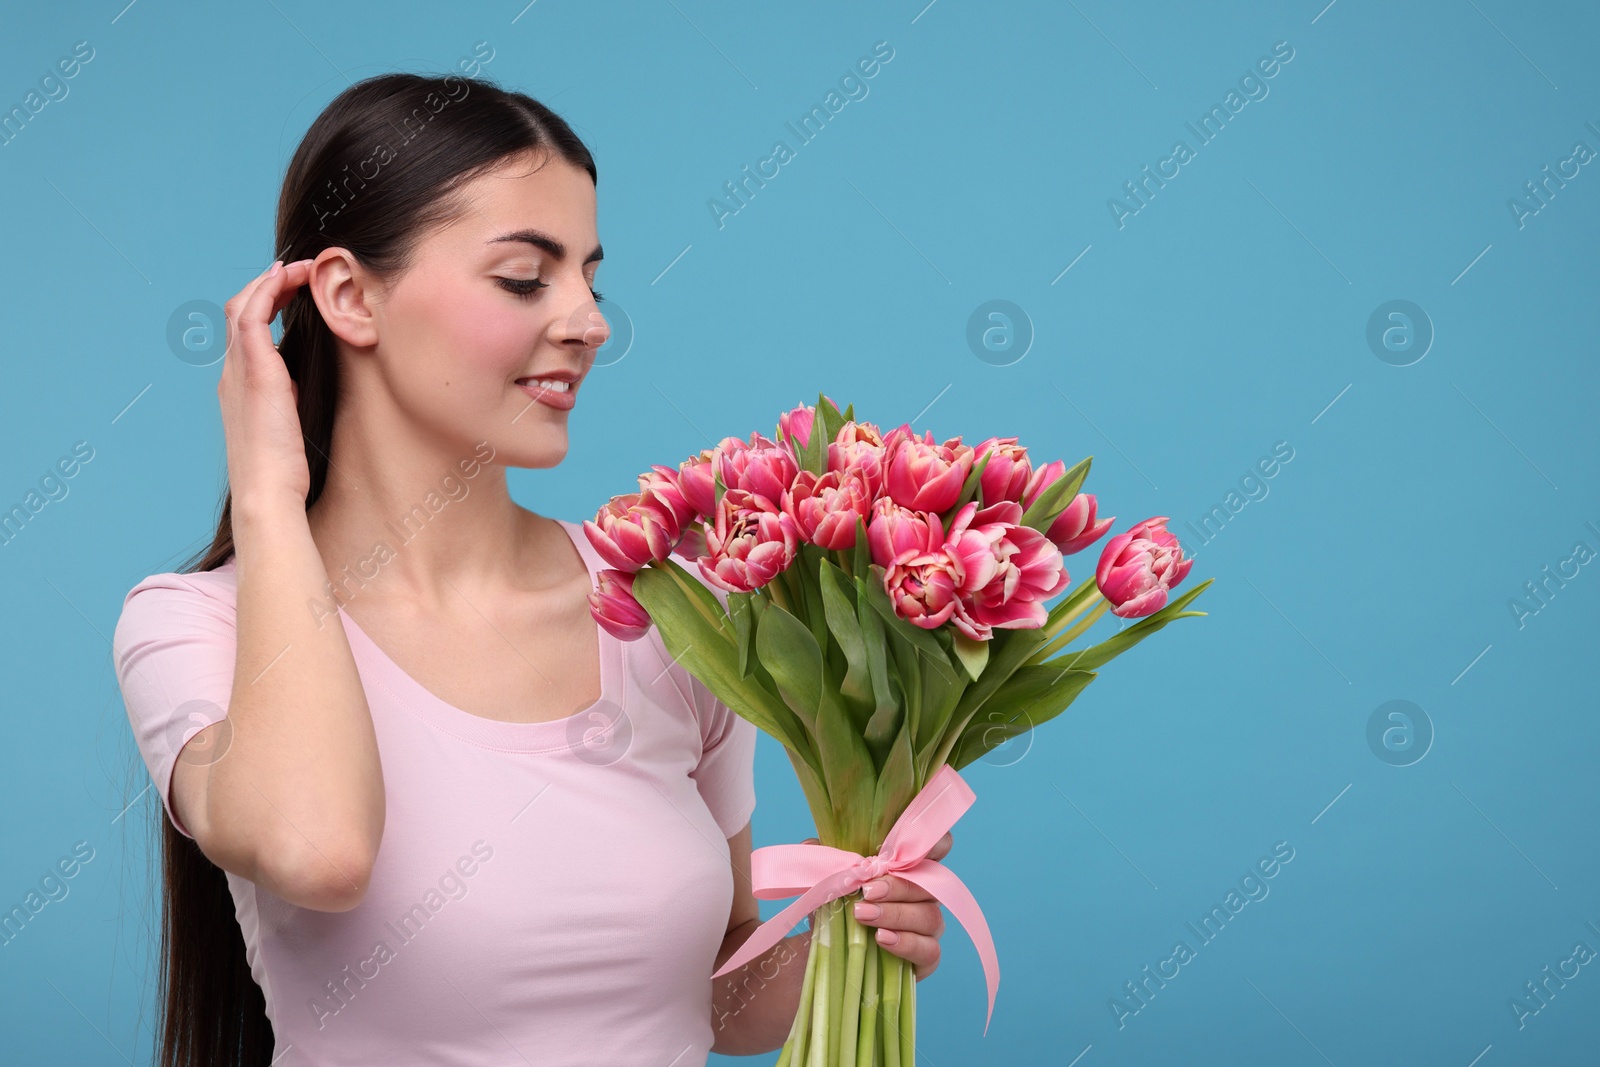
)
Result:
{"points": [[526, 287]]}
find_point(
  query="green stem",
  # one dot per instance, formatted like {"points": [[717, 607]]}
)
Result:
{"points": [[794, 1047], [1059, 624], [871, 999], [855, 966], [778, 590], [837, 995], [822, 993], [891, 971], [1058, 643], [908, 1016]]}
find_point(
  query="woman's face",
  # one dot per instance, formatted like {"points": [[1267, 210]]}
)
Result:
{"points": [[491, 302]]}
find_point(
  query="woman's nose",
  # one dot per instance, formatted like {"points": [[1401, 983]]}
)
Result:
{"points": [[588, 325]]}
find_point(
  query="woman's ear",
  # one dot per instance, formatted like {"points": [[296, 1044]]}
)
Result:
{"points": [[344, 290]]}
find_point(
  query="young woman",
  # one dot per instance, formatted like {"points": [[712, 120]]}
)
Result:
{"points": [[371, 708]]}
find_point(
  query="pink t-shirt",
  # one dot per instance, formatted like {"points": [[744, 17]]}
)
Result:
{"points": [[548, 893]]}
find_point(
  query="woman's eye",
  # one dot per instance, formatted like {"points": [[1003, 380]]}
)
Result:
{"points": [[524, 287]]}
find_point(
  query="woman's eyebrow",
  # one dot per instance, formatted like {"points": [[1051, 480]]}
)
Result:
{"points": [[540, 239]]}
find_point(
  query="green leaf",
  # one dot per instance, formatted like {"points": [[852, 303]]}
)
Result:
{"points": [[885, 720], [1054, 500], [934, 685], [700, 594], [838, 602], [1095, 656], [942, 685], [807, 559], [1009, 650], [816, 793], [973, 654], [908, 673], [847, 767], [832, 419], [707, 651], [1032, 696], [742, 613], [824, 428], [790, 655], [861, 552], [897, 785]]}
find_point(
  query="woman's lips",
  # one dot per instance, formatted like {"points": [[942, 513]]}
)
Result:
{"points": [[561, 401]]}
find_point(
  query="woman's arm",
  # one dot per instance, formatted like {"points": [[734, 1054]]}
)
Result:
{"points": [[295, 800], [753, 1007]]}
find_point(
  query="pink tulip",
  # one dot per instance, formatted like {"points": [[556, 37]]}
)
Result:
{"points": [[1005, 571], [919, 576], [761, 467], [923, 476], [896, 534], [1075, 529], [749, 543], [632, 529], [923, 590], [662, 483], [825, 507], [692, 545], [1041, 479], [1008, 471], [694, 482], [1139, 566], [613, 606], [859, 448], [794, 427]]}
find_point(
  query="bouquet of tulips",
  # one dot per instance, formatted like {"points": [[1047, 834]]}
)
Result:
{"points": [[883, 616]]}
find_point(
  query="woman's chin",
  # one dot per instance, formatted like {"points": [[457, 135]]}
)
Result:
{"points": [[548, 451]]}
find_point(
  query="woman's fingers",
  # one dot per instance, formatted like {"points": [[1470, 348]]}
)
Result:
{"points": [[908, 921], [269, 296], [253, 308], [921, 917], [918, 949], [266, 453], [236, 304]]}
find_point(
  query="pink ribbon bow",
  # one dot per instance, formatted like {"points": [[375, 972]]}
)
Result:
{"points": [[821, 873]]}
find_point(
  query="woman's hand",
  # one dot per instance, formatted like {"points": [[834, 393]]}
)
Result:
{"points": [[908, 920], [260, 423]]}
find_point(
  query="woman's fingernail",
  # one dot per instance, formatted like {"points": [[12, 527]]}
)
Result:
{"points": [[868, 912], [277, 265], [888, 937], [874, 890]]}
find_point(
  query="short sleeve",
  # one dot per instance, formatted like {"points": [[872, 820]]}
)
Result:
{"points": [[174, 654], [725, 774]]}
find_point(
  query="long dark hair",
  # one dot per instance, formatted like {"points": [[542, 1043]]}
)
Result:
{"points": [[375, 170]]}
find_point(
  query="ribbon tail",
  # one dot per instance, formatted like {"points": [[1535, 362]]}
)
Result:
{"points": [[953, 893], [774, 929]]}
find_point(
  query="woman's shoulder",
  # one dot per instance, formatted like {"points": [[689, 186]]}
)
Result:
{"points": [[173, 600], [219, 583]]}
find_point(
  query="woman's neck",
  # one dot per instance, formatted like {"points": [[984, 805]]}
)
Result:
{"points": [[423, 523]]}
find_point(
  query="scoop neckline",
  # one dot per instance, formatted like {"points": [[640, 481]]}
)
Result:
{"points": [[554, 735]]}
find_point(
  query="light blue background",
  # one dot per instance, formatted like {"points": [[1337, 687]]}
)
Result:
{"points": [[1229, 314]]}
